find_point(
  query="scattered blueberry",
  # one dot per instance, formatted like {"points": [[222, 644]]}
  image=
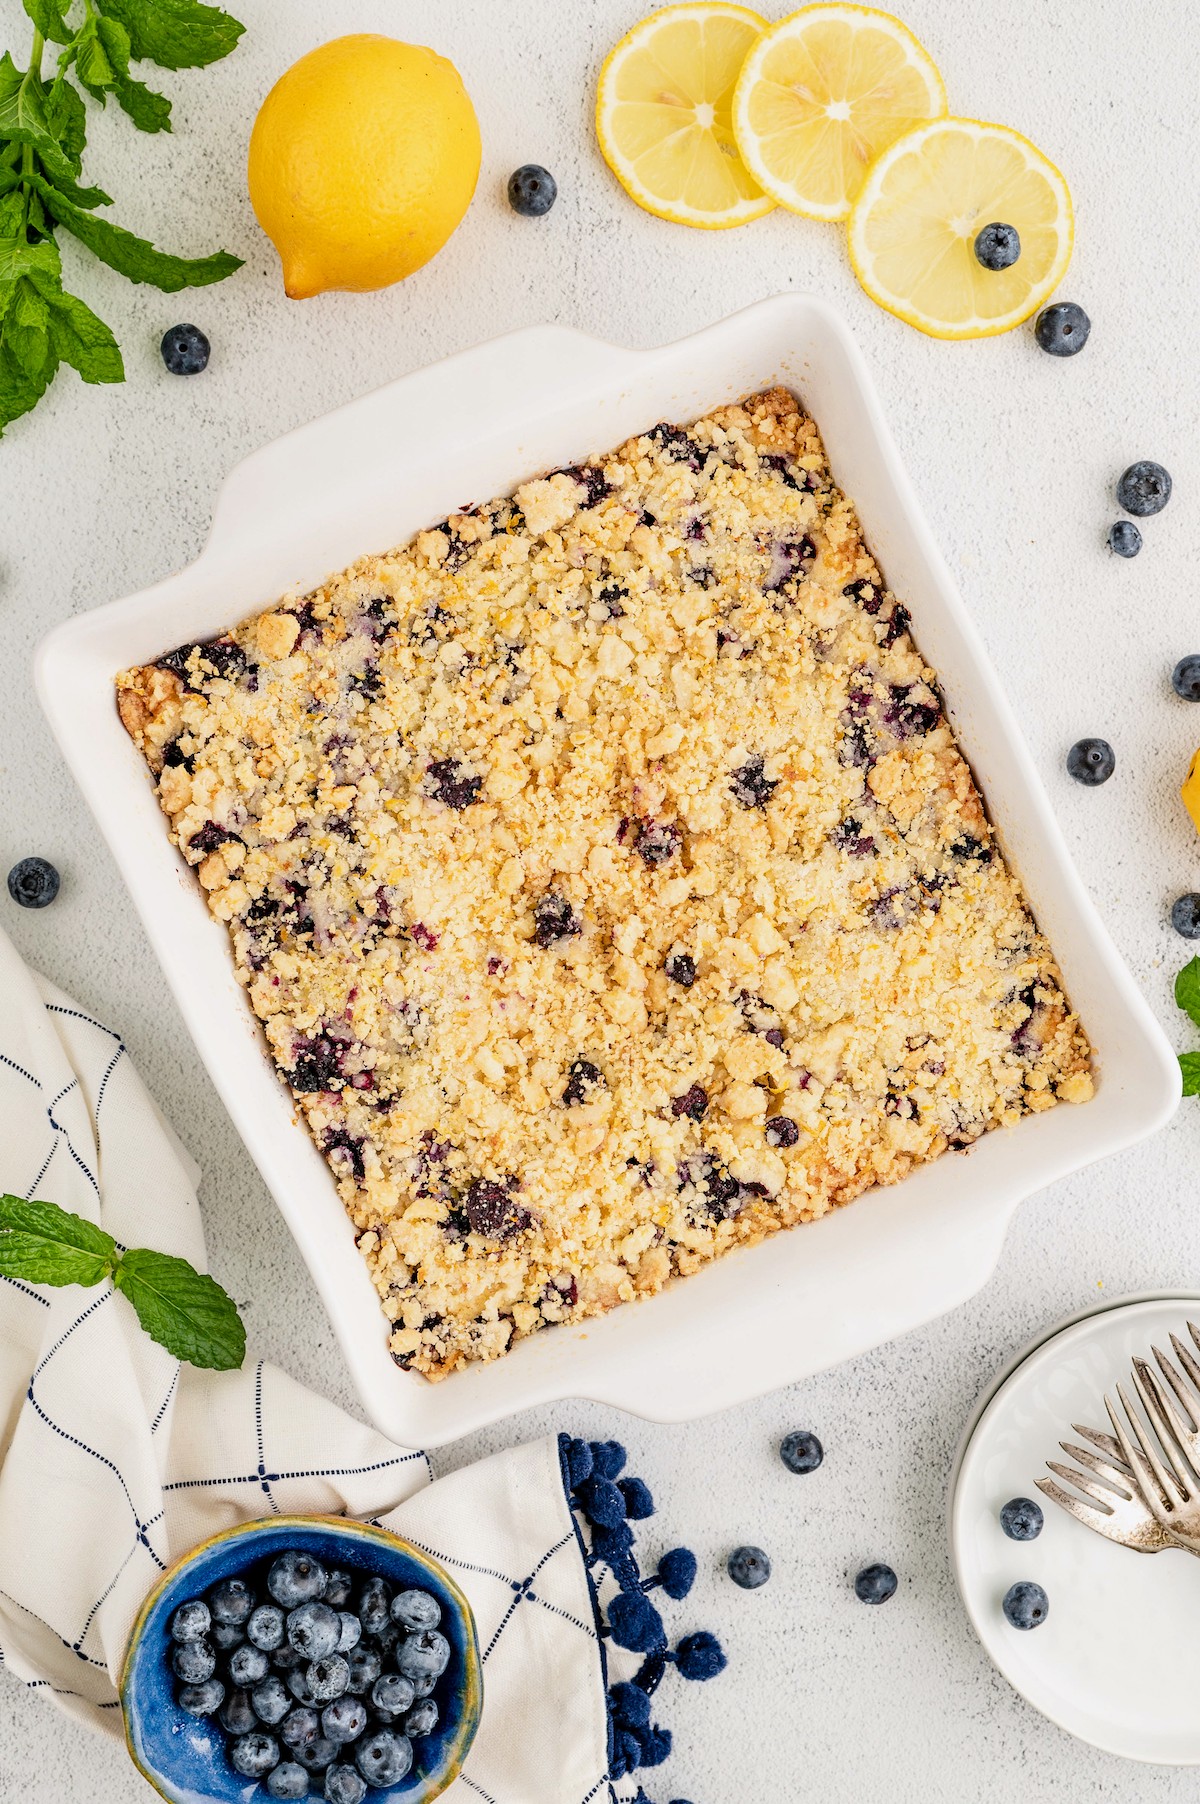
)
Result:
{"points": [[296, 1578], [313, 1629], [328, 1678], [264, 1627], [254, 1755], [532, 190], [344, 1785], [998, 246], [749, 1567], [1062, 329], [781, 1130], [1026, 1605], [201, 1700], [345, 1719], [875, 1584], [1185, 678], [193, 1661], [247, 1665], [681, 969], [1021, 1519], [801, 1451], [1144, 488], [185, 350], [288, 1780], [1124, 538], [33, 883], [191, 1621], [272, 1700], [384, 1758], [1185, 915], [1091, 761]]}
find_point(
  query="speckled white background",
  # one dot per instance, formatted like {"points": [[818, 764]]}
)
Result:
{"points": [[1015, 455]]}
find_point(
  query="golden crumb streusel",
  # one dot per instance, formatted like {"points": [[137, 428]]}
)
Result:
{"points": [[607, 880]]}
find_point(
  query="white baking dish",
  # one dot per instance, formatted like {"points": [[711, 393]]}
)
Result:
{"points": [[367, 477]]}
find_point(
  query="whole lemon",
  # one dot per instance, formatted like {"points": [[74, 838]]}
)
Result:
{"points": [[363, 160]]}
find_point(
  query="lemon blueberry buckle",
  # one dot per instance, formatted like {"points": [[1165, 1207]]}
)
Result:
{"points": [[607, 880]]}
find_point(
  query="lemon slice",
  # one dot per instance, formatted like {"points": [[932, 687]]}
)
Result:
{"points": [[662, 114], [821, 94], [913, 228]]}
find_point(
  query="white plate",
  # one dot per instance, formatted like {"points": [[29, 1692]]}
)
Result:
{"points": [[1117, 1661], [366, 478]]}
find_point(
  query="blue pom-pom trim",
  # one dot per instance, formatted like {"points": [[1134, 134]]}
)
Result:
{"points": [[638, 1502], [676, 1573], [608, 1459], [630, 1706]]}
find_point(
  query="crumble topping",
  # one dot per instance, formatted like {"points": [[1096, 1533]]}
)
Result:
{"points": [[607, 880]]}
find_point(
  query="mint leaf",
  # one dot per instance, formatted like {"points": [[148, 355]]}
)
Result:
{"points": [[19, 392], [23, 120], [149, 111], [175, 34], [67, 119], [1187, 989], [17, 258], [182, 1309], [25, 328], [47, 15], [1189, 1065], [82, 340], [131, 256], [93, 65], [45, 1245]]}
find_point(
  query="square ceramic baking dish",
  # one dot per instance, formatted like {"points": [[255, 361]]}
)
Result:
{"points": [[366, 478]]}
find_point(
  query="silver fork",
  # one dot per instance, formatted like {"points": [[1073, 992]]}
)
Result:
{"points": [[1167, 1470], [1112, 1504]]}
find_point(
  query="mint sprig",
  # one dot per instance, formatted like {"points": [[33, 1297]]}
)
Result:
{"points": [[184, 1310], [1187, 996], [43, 134]]}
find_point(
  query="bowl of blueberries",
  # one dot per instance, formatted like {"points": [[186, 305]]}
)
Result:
{"points": [[302, 1657]]}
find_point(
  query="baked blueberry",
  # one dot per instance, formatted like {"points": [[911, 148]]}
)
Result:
{"points": [[422, 1719], [781, 1130], [383, 1758], [678, 445], [750, 784], [236, 1715], [691, 1104], [344, 1785], [271, 1700], [328, 1678], [265, 1627], [554, 919], [426, 1654], [287, 1780], [313, 1629], [749, 1567], [254, 1755], [1185, 915], [1021, 1519], [801, 1451], [296, 1578], [393, 1692], [185, 350], [1185, 678], [492, 1210], [193, 1661], [1144, 489], [452, 783], [657, 841], [1091, 761], [875, 1584], [681, 969], [247, 1665], [191, 1621], [1062, 329], [1124, 538], [997, 246], [582, 1079], [1026, 1605], [532, 191], [201, 1700], [345, 1719]]}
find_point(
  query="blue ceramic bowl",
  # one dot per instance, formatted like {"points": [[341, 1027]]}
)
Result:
{"points": [[183, 1756]]}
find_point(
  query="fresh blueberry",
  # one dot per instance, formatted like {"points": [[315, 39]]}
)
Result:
{"points": [[231, 1602], [226, 1636], [185, 350], [286, 1659], [383, 1758], [1021, 1519], [781, 1130], [801, 1451], [1144, 488], [265, 1627], [344, 1785], [875, 1584], [318, 1754], [393, 1692], [1185, 915], [201, 1700], [33, 883], [1026, 1605], [1124, 538], [374, 1605], [313, 1629], [422, 1719], [328, 1678], [191, 1621], [297, 1683], [296, 1578], [247, 1665], [344, 1720], [254, 1755], [288, 1780], [417, 1609], [532, 190], [193, 1661], [236, 1714], [998, 246], [351, 1632], [1062, 329], [681, 969], [299, 1727], [364, 1664], [1091, 761], [272, 1700], [424, 1655], [749, 1567], [423, 1685], [386, 1638], [1185, 678], [339, 1588]]}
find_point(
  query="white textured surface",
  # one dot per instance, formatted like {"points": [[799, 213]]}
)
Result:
{"points": [[1015, 455]]}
